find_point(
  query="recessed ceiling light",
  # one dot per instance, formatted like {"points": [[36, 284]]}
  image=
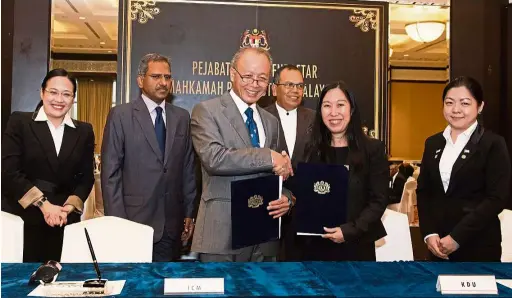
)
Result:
{"points": [[406, 55], [110, 51], [102, 42], [81, 18]]}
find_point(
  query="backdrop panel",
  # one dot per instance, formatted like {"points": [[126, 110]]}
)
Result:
{"points": [[327, 41]]}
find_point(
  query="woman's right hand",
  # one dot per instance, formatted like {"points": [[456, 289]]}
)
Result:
{"points": [[53, 214]]}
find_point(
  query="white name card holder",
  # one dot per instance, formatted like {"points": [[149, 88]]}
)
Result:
{"points": [[467, 284], [182, 286]]}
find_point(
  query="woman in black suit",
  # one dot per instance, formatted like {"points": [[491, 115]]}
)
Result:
{"points": [[338, 138], [47, 167], [464, 181]]}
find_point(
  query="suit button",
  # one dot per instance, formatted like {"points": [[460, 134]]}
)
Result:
{"points": [[165, 170]]}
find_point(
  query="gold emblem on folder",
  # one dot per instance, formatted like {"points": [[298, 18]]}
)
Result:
{"points": [[322, 187], [255, 201]]}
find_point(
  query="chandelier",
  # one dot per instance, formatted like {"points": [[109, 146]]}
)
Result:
{"points": [[425, 31]]}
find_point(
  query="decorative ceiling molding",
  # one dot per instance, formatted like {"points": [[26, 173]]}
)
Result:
{"points": [[418, 2], [85, 66]]}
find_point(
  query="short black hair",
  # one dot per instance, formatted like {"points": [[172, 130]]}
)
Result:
{"points": [[58, 72], [471, 84], [277, 75]]}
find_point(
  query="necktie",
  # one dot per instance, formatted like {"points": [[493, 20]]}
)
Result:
{"points": [[252, 128], [160, 129]]}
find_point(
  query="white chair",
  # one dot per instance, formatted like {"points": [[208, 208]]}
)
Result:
{"points": [[506, 235], [12, 238], [408, 201], [115, 240], [397, 245]]}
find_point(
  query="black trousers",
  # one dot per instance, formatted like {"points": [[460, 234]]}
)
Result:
{"points": [[311, 248], [166, 249], [42, 242]]}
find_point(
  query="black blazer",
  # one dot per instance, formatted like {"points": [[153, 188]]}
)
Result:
{"points": [[305, 119], [477, 193], [29, 159], [367, 195]]}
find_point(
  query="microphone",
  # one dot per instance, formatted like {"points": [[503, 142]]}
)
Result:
{"points": [[94, 283]]}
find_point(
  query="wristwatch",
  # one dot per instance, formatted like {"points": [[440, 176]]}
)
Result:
{"points": [[40, 202]]}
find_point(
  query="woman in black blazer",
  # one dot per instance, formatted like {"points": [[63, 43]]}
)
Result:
{"points": [[47, 167], [464, 181], [338, 138]]}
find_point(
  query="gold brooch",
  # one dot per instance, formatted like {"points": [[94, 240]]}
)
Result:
{"points": [[255, 201], [322, 187]]}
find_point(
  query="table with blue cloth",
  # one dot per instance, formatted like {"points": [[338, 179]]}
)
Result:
{"points": [[308, 279]]}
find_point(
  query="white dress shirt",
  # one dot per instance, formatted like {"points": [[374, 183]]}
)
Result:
{"points": [[56, 132], [289, 124], [450, 154], [151, 105], [452, 151], [242, 106]]}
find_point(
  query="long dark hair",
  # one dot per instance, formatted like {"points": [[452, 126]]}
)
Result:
{"points": [[322, 137], [57, 72]]}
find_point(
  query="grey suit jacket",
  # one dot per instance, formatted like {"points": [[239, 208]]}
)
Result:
{"points": [[140, 184], [305, 121], [223, 145]]}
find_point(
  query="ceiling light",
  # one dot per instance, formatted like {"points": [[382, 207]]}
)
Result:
{"points": [[102, 42], [81, 18], [110, 51], [425, 31], [406, 55]]}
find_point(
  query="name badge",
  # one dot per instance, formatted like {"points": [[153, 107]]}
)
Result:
{"points": [[180, 286], [467, 284]]}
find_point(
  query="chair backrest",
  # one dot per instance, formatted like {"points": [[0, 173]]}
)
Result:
{"points": [[115, 240], [506, 235], [397, 245], [12, 238]]}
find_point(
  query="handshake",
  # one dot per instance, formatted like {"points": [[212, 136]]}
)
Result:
{"points": [[282, 165]]}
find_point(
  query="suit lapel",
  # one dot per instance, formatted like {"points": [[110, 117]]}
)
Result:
{"points": [[272, 109], [142, 115], [234, 117], [69, 141], [469, 150], [43, 135], [267, 124], [171, 124], [300, 136], [436, 154]]}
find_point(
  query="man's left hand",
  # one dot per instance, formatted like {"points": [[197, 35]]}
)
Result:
{"points": [[188, 229], [279, 207]]}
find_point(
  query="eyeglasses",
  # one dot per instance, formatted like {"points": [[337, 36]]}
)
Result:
{"points": [[65, 94], [158, 77], [250, 79], [289, 85]]}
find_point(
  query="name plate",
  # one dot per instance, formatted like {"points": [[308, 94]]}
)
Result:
{"points": [[180, 286], [467, 284]]}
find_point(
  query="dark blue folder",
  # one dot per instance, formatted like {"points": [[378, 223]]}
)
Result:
{"points": [[250, 222], [321, 193]]}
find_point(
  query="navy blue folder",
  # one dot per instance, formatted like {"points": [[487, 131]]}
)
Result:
{"points": [[321, 193], [250, 222]]}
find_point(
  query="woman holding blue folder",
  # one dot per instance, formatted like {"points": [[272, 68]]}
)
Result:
{"points": [[338, 138]]}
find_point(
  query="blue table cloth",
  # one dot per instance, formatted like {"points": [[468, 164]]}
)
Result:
{"points": [[308, 279]]}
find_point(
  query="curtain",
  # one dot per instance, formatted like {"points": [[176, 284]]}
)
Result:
{"points": [[94, 101]]}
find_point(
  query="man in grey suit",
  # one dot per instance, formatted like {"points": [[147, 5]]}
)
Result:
{"points": [[296, 124], [230, 150], [147, 173]]}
